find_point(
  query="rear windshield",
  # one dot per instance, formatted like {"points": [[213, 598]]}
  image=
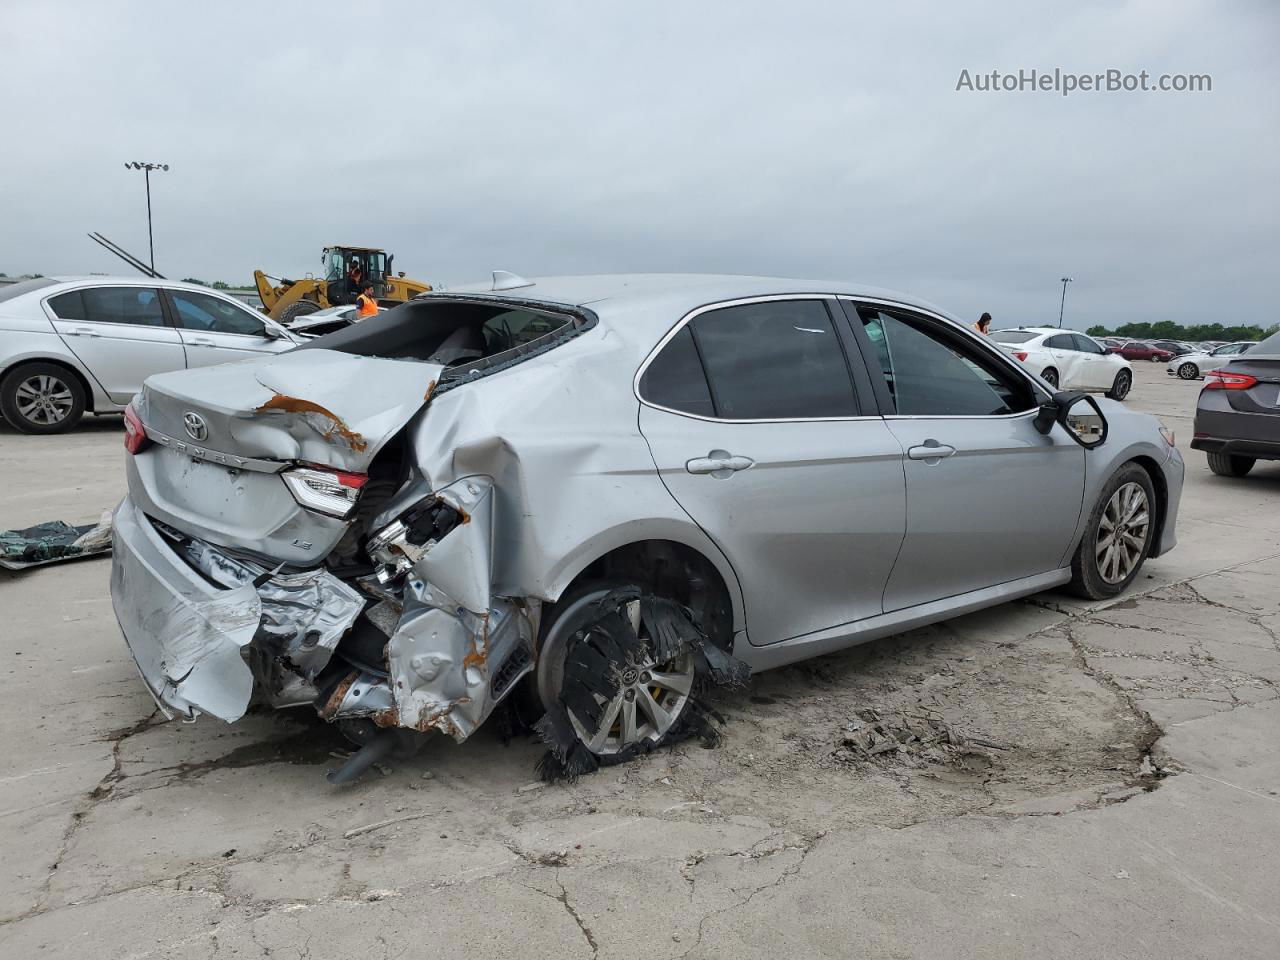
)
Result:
{"points": [[1270, 346], [11, 290], [459, 335], [1014, 336]]}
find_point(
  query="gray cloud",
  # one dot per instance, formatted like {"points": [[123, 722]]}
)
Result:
{"points": [[805, 139]]}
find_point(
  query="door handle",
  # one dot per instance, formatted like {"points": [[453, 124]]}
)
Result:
{"points": [[720, 464], [200, 342], [931, 451], [85, 332]]}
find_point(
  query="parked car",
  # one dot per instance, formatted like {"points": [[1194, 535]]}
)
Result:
{"points": [[1193, 366], [1175, 348], [607, 492], [1109, 342], [1238, 414], [1067, 359], [71, 345], [1141, 350], [325, 321]]}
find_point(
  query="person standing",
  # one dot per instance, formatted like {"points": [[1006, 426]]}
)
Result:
{"points": [[983, 326], [366, 306]]}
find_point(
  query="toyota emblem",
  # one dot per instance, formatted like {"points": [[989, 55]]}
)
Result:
{"points": [[197, 429]]}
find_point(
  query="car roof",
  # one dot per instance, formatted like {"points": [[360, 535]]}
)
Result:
{"points": [[654, 299], [1041, 330]]}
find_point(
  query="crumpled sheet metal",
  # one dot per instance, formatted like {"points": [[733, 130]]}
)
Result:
{"points": [[443, 660], [460, 564], [53, 542]]}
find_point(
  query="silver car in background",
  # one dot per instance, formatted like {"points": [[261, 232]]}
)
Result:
{"points": [[599, 495], [1194, 365], [76, 345]]}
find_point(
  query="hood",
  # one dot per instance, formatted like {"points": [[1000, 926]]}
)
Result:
{"points": [[315, 406]]}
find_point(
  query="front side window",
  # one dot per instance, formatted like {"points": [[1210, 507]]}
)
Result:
{"points": [[136, 306], [778, 360], [209, 314], [1086, 345], [931, 374]]}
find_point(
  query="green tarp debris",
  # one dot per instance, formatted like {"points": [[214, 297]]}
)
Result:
{"points": [[53, 541]]}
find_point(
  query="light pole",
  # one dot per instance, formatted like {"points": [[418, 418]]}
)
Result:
{"points": [[146, 168], [1062, 306]]}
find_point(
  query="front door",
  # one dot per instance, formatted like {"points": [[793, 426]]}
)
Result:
{"points": [[989, 498], [759, 434], [119, 334], [216, 330]]}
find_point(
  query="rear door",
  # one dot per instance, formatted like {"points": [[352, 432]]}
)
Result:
{"points": [[989, 498], [119, 333], [215, 329], [760, 434]]}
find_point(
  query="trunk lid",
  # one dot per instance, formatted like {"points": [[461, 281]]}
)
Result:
{"points": [[317, 406], [223, 434]]}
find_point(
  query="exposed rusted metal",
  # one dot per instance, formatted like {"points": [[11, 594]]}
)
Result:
{"points": [[479, 654], [387, 718], [339, 694], [426, 397], [338, 427]]}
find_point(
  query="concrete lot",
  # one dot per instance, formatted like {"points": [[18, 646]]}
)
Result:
{"points": [[1125, 801]]}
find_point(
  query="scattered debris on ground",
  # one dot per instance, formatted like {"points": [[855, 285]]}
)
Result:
{"points": [[910, 738], [54, 541]]}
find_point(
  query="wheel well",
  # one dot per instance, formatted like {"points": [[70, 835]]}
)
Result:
{"points": [[84, 384], [675, 570], [1162, 497]]}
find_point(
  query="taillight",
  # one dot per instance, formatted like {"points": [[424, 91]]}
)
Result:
{"points": [[1222, 380], [324, 489], [1020, 355], [135, 434]]}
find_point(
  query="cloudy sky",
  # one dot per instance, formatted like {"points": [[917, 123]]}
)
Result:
{"points": [[797, 139]]}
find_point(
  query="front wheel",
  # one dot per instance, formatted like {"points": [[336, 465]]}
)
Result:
{"points": [[1229, 465], [1188, 371], [1050, 377], [1118, 537], [1120, 388]]}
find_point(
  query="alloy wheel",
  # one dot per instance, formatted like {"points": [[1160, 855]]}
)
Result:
{"points": [[650, 698], [1187, 371], [1050, 377], [44, 399], [1122, 533], [1120, 389]]}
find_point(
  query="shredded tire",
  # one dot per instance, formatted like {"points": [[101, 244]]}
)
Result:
{"points": [[599, 648]]}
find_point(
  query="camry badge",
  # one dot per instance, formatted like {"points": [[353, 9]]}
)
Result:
{"points": [[197, 429]]}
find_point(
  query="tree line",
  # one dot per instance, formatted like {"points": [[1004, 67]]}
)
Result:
{"points": [[1167, 330]]}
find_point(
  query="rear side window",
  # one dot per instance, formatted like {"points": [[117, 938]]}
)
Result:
{"points": [[675, 380], [138, 306], [1061, 341], [68, 306], [774, 360]]}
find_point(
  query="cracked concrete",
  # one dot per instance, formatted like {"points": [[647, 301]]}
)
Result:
{"points": [[1119, 795]]}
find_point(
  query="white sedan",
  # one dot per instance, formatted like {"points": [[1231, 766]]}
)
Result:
{"points": [[1192, 366], [1068, 360]]}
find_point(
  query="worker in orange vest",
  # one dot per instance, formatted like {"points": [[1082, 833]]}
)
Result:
{"points": [[366, 306]]}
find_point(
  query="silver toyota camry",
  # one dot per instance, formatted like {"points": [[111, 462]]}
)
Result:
{"points": [[595, 498]]}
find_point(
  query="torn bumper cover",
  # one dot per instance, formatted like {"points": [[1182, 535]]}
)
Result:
{"points": [[207, 629]]}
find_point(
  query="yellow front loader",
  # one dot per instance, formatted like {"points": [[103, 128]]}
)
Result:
{"points": [[286, 300]]}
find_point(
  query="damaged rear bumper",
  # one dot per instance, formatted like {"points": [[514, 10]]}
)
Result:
{"points": [[208, 630]]}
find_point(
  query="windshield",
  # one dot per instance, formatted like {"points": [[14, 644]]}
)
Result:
{"points": [[1014, 336]]}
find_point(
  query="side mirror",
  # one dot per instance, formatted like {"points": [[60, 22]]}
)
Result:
{"points": [[1079, 415], [271, 332]]}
